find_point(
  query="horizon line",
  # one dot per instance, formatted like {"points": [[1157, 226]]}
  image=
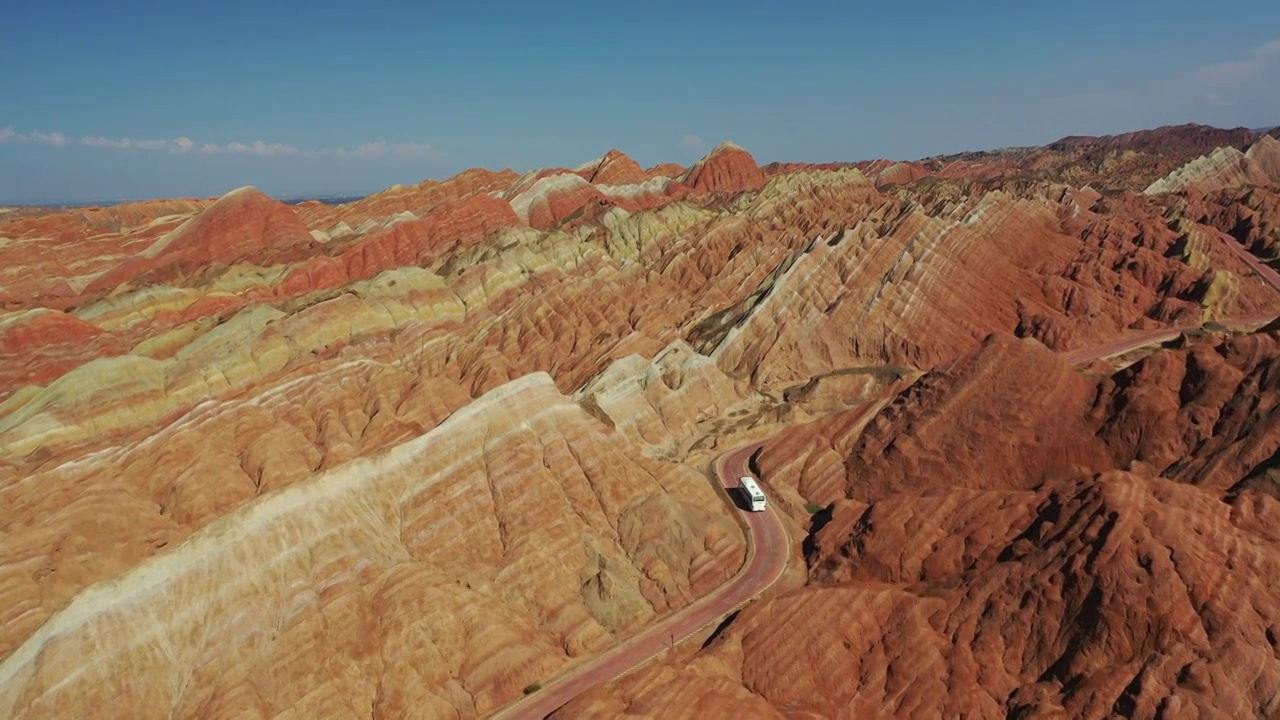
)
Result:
{"points": [[302, 197]]}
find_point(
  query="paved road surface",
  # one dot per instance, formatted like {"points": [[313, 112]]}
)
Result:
{"points": [[767, 551], [1268, 274]]}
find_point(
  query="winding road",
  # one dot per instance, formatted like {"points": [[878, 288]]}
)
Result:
{"points": [[768, 548], [1268, 274]]}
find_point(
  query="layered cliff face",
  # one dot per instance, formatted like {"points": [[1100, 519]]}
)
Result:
{"points": [[1250, 215], [1265, 155], [1224, 168], [915, 284], [420, 450]]}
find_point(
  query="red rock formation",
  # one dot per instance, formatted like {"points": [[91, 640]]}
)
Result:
{"points": [[37, 271], [645, 195], [553, 198], [422, 242], [1068, 275], [871, 168], [133, 214], [418, 199], [900, 174], [243, 226], [1181, 140], [1223, 168], [520, 516], [41, 345], [1132, 161], [914, 444], [782, 168], [529, 179], [726, 169], [1265, 154], [1250, 215], [38, 328], [615, 168], [669, 170]]}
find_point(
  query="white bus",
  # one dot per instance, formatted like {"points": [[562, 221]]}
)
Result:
{"points": [[755, 496]]}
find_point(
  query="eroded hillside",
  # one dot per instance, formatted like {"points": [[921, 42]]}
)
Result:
{"points": [[1012, 537], [410, 454]]}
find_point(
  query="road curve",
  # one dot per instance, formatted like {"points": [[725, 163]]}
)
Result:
{"points": [[768, 548]]}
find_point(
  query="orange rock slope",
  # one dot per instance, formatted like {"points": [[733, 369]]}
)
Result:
{"points": [[413, 453], [1010, 537]]}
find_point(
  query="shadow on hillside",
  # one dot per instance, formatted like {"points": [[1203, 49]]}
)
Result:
{"points": [[817, 521], [740, 498], [724, 625]]}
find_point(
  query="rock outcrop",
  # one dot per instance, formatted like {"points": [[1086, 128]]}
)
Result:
{"points": [[900, 174], [1175, 140], [1265, 155], [649, 401], [726, 169], [242, 226], [417, 200], [554, 198], [668, 170], [614, 168], [1131, 161], [1223, 168]]}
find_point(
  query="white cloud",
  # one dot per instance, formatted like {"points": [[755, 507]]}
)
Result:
{"points": [[177, 145], [257, 147], [104, 142], [380, 148], [692, 143], [186, 145], [56, 139], [10, 136], [1256, 66], [1267, 50]]}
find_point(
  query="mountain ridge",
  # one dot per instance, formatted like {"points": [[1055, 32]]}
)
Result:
{"points": [[520, 379]]}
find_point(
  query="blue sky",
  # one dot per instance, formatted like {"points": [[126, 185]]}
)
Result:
{"points": [[304, 98]]}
